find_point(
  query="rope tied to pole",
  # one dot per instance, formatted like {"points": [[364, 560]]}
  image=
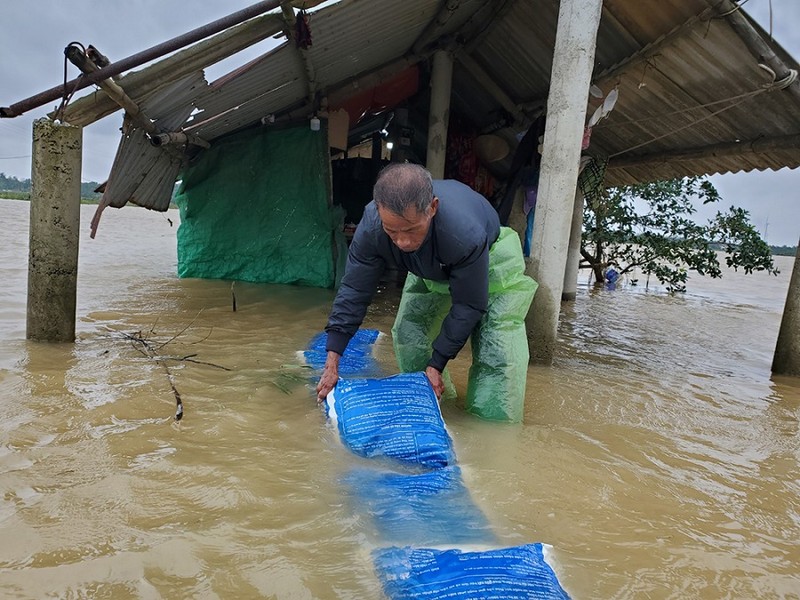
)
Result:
{"points": [[66, 93], [779, 84]]}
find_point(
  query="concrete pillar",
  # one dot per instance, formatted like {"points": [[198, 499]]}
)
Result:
{"points": [[573, 61], [54, 231], [574, 250], [441, 83], [787, 350]]}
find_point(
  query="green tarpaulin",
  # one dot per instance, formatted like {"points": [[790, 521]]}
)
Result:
{"points": [[255, 208]]}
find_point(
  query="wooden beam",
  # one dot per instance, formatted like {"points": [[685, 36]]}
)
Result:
{"points": [[77, 57], [738, 22], [434, 28], [140, 84], [487, 83], [758, 47], [726, 149], [140, 58], [500, 8], [634, 61], [475, 28], [302, 54]]}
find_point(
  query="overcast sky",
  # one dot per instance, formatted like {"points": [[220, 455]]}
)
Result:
{"points": [[33, 35]]}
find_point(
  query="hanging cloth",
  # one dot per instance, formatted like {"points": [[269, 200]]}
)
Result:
{"points": [[302, 32]]}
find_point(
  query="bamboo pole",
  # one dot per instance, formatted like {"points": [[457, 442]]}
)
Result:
{"points": [[140, 84], [139, 58], [77, 57], [758, 47], [303, 55], [441, 85]]}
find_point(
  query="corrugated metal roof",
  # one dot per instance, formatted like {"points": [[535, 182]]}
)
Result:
{"points": [[346, 40], [145, 174], [701, 89], [683, 75], [694, 60], [243, 100]]}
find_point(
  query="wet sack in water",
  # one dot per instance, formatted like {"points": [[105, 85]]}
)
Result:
{"points": [[519, 572], [419, 505], [396, 417], [357, 358], [432, 508]]}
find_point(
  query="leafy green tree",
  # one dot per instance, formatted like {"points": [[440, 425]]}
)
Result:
{"points": [[649, 227], [88, 190]]}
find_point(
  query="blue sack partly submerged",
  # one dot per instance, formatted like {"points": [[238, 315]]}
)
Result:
{"points": [[396, 417], [432, 508], [421, 501], [357, 358], [519, 572]]}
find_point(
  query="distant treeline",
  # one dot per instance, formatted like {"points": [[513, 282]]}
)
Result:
{"points": [[21, 188], [11, 187], [783, 250]]}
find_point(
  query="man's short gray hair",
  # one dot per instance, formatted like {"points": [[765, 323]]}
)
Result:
{"points": [[403, 185]]}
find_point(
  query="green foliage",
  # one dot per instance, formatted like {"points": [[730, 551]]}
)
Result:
{"points": [[649, 227], [290, 376], [16, 195], [88, 190], [11, 187]]}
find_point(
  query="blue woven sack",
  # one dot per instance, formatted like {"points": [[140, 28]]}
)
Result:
{"points": [[433, 508], [519, 572], [395, 417], [357, 358]]}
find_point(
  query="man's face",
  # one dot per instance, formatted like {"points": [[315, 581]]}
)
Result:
{"points": [[408, 231]]}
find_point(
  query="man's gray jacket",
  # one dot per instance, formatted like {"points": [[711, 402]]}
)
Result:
{"points": [[455, 250]]}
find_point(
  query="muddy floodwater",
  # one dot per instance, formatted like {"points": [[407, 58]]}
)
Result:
{"points": [[659, 458]]}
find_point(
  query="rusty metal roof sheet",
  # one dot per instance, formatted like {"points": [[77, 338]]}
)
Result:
{"points": [[692, 97], [145, 174]]}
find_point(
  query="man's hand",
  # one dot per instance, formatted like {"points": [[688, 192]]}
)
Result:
{"points": [[437, 383], [330, 375]]}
